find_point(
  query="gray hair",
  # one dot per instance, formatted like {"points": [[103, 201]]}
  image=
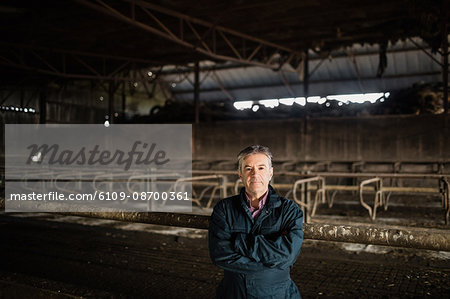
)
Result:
{"points": [[251, 150]]}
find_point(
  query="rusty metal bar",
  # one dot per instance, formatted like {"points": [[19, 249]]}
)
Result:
{"points": [[90, 68], [254, 52], [336, 55], [79, 53], [184, 17], [43, 106], [118, 69], [222, 87], [145, 84], [222, 185], [45, 62], [304, 182], [339, 174], [111, 92], [106, 9], [320, 194], [286, 83], [396, 237], [431, 239], [306, 74], [63, 75], [355, 66], [230, 44], [336, 80], [2, 101], [378, 200], [197, 35], [373, 174], [160, 218], [317, 66], [446, 198], [159, 22], [424, 51]]}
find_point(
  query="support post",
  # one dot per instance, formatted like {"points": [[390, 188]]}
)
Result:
{"points": [[197, 92], [444, 47], [43, 106], [124, 102], [306, 75], [111, 102], [306, 208]]}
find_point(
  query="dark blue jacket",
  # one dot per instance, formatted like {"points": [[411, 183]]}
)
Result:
{"points": [[256, 255]]}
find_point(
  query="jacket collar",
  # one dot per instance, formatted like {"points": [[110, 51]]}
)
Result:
{"points": [[273, 199]]}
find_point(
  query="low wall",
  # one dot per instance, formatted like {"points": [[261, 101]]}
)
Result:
{"points": [[421, 138]]}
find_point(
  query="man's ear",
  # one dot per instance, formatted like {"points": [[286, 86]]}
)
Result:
{"points": [[240, 174], [271, 172]]}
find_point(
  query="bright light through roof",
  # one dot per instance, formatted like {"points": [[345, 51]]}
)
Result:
{"points": [[287, 101], [272, 103], [301, 101], [313, 99], [316, 99], [357, 98], [341, 98], [241, 105]]}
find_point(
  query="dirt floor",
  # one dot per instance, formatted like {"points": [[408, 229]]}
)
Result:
{"points": [[51, 256]]}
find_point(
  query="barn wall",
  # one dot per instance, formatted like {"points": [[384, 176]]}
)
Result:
{"points": [[382, 138]]}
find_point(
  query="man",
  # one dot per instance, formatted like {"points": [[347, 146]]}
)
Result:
{"points": [[256, 236]]}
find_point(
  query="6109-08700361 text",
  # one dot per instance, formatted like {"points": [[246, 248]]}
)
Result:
{"points": [[99, 195]]}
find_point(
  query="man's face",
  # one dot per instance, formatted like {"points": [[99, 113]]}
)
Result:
{"points": [[256, 174]]}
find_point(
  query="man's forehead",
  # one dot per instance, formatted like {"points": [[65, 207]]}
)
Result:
{"points": [[258, 159]]}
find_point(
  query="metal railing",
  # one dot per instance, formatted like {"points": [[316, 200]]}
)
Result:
{"points": [[382, 193], [214, 181]]}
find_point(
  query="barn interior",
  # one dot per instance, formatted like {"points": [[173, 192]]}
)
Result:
{"points": [[350, 96]]}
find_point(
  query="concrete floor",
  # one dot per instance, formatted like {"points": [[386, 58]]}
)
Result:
{"points": [[50, 256]]}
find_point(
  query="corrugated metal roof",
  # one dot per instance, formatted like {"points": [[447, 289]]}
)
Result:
{"points": [[350, 70]]}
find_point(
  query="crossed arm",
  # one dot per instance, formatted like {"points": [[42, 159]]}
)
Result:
{"points": [[246, 252]]}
